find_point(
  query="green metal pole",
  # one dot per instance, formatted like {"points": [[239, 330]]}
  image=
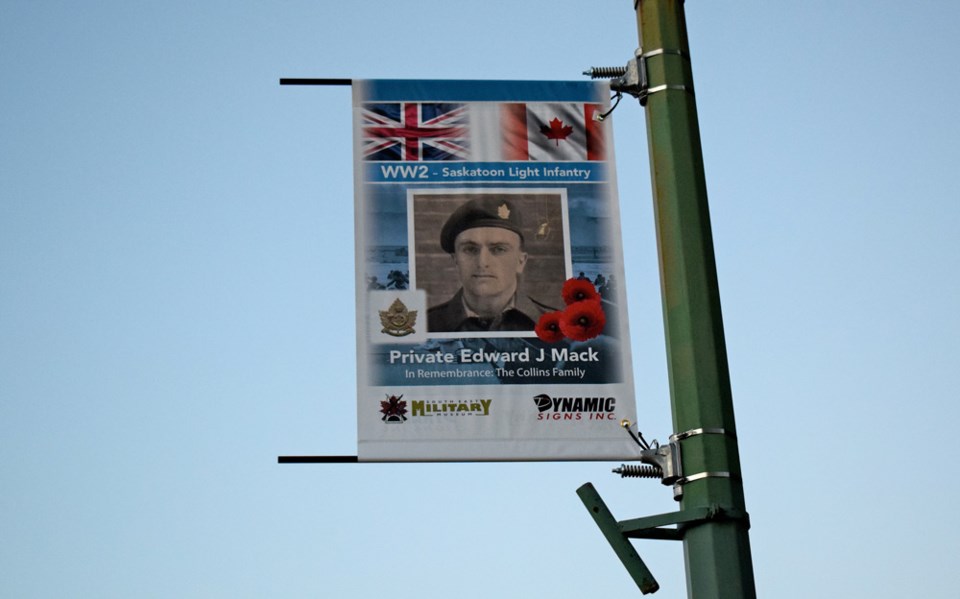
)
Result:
{"points": [[716, 552]]}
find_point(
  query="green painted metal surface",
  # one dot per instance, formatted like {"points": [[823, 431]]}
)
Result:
{"points": [[717, 551], [621, 546]]}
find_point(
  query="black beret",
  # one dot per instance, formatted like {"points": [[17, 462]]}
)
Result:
{"points": [[489, 211]]}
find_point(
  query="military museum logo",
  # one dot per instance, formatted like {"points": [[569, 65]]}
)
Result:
{"points": [[394, 409], [473, 407], [397, 320]]}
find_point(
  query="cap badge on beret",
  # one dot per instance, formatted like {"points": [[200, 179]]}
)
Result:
{"points": [[484, 211]]}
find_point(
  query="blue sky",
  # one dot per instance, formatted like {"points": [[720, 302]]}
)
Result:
{"points": [[176, 301]]}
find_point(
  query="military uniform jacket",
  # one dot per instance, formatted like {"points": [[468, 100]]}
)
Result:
{"points": [[451, 316]]}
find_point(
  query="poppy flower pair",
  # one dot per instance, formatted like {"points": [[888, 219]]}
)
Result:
{"points": [[582, 319]]}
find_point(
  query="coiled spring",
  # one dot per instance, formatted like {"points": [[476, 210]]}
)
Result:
{"points": [[638, 471], [605, 72]]}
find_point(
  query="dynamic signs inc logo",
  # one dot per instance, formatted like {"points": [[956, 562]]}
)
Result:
{"points": [[575, 408]]}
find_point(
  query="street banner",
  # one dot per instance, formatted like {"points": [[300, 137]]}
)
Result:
{"points": [[491, 311]]}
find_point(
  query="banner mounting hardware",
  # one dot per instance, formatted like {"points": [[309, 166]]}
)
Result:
{"points": [[633, 78], [663, 462]]}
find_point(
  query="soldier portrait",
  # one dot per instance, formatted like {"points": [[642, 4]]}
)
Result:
{"points": [[489, 260]]}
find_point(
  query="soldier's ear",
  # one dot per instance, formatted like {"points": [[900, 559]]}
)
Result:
{"points": [[521, 262]]}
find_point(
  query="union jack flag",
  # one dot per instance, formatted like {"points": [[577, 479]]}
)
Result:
{"points": [[415, 131]]}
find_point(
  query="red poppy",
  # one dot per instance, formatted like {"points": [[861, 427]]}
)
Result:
{"points": [[583, 320], [578, 290], [548, 328]]}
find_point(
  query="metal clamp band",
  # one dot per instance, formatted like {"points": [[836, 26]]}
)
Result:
{"points": [[702, 475], [660, 51], [633, 80], [701, 431], [661, 88], [642, 62]]}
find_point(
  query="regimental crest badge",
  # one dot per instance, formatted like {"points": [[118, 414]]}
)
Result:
{"points": [[397, 321], [503, 211], [393, 409]]}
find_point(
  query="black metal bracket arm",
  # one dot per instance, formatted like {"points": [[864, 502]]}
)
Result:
{"points": [[314, 81]]}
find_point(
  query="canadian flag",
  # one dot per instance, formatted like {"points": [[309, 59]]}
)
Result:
{"points": [[538, 131]]}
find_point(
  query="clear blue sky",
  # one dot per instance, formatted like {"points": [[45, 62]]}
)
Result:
{"points": [[176, 301]]}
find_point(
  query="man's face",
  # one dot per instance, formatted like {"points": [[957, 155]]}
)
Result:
{"points": [[488, 261]]}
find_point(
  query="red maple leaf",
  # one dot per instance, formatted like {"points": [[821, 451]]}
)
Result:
{"points": [[556, 131]]}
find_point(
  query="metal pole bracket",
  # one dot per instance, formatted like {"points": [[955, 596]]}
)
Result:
{"points": [[632, 79], [671, 526], [652, 527], [618, 541]]}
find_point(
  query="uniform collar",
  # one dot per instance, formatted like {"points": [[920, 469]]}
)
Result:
{"points": [[471, 314]]}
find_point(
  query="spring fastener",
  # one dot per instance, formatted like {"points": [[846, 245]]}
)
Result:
{"points": [[638, 471]]}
